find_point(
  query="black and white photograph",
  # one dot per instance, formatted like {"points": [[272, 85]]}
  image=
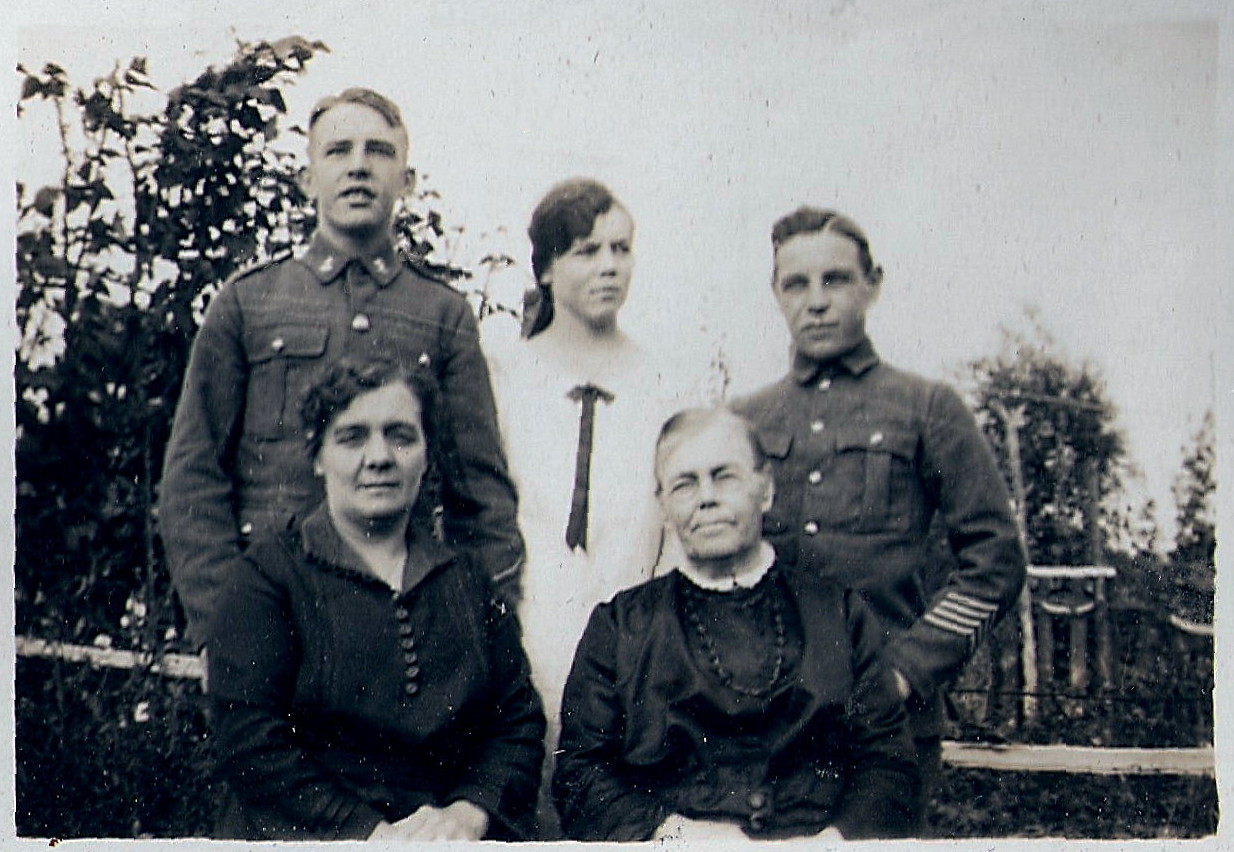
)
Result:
{"points": [[681, 423]]}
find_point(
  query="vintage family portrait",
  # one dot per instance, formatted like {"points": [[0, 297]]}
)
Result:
{"points": [[679, 423]]}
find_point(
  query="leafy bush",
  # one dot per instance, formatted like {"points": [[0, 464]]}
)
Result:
{"points": [[984, 803], [109, 753]]}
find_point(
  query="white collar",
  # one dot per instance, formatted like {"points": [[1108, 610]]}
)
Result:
{"points": [[748, 580]]}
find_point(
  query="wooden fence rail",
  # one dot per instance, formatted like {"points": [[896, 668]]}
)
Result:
{"points": [[1006, 758]]}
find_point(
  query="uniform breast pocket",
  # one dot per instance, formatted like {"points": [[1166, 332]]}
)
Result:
{"points": [[281, 360], [778, 523], [876, 467]]}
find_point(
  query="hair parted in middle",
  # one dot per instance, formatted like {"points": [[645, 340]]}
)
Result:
{"points": [[696, 419]]}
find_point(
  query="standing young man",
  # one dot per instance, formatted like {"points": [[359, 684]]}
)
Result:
{"points": [[236, 465], [865, 458]]}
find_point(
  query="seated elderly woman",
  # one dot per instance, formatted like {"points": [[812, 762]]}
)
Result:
{"points": [[364, 680]]}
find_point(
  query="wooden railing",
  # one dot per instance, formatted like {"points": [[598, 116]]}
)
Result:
{"points": [[1002, 757]]}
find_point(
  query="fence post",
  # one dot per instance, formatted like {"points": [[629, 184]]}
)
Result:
{"points": [[1013, 419]]}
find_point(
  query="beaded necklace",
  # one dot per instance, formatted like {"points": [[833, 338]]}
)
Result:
{"points": [[713, 655]]}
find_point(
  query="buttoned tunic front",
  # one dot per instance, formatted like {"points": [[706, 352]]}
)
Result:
{"points": [[338, 701], [865, 457], [650, 729], [236, 464]]}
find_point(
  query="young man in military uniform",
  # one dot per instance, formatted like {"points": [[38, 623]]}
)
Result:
{"points": [[865, 457], [236, 465]]}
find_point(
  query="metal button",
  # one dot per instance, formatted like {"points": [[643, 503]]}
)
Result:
{"points": [[816, 426], [411, 688], [876, 438], [246, 528], [824, 384], [815, 477], [327, 264], [405, 629], [757, 800], [401, 613], [811, 528], [277, 344], [412, 671], [408, 642], [379, 265], [424, 360], [756, 823], [361, 323]]}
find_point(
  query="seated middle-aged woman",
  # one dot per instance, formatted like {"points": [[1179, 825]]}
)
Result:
{"points": [[573, 398], [365, 682]]}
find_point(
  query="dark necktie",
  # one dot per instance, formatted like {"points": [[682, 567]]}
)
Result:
{"points": [[576, 528]]}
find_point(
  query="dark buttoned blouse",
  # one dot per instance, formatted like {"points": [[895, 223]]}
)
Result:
{"points": [[338, 702], [649, 728]]}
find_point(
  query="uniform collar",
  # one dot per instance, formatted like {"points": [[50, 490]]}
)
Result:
{"points": [[326, 260], [323, 542], [856, 361], [766, 558]]}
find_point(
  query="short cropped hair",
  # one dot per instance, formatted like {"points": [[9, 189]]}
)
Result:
{"points": [[340, 382], [697, 419], [568, 211], [379, 103], [809, 220]]}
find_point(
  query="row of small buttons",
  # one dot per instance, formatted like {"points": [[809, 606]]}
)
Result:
{"points": [[407, 641]]}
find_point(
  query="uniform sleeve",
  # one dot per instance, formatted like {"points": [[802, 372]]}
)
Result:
{"points": [[594, 800], [961, 477], [479, 502], [197, 510], [253, 665], [882, 796], [506, 778]]}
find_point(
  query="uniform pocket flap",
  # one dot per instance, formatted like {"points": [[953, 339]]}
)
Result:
{"points": [[878, 439], [287, 341], [775, 443]]}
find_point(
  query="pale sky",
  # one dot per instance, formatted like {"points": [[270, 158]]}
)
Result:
{"points": [[998, 154]]}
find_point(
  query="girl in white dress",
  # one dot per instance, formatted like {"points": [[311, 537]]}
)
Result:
{"points": [[579, 555]]}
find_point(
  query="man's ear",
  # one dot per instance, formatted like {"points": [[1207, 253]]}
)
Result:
{"points": [[409, 181]]}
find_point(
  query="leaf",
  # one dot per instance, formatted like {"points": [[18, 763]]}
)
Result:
{"points": [[45, 200], [30, 87]]}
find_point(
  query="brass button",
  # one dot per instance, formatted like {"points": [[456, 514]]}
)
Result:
{"points": [[876, 439], [277, 344], [824, 384], [360, 323], [246, 528], [411, 688], [811, 528], [815, 477], [816, 426], [757, 800]]}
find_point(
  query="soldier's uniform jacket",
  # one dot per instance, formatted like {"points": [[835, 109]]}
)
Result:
{"points": [[237, 465], [864, 457]]}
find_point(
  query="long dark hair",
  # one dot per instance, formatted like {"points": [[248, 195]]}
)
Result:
{"points": [[567, 212]]}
